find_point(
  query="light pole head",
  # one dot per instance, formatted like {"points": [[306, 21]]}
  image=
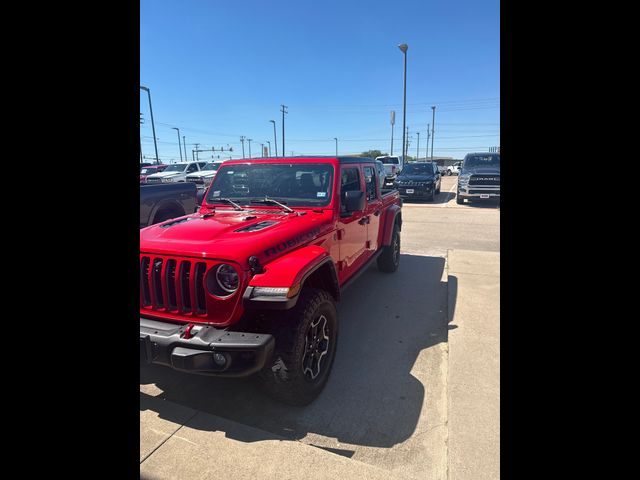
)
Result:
{"points": [[146, 89], [433, 107], [404, 47], [335, 139], [272, 121]]}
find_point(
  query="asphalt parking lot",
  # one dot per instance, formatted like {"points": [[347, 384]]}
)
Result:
{"points": [[393, 407]]}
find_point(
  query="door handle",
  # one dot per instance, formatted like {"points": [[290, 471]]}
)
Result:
{"points": [[376, 213], [363, 220]]}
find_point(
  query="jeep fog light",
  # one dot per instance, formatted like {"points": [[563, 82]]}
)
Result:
{"points": [[219, 359]]}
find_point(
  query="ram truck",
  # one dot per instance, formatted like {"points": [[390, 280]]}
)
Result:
{"points": [[479, 178], [249, 283], [159, 203]]}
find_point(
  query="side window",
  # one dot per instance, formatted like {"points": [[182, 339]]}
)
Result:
{"points": [[370, 182], [435, 168], [202, 164], [349, 180], [192, 168]]}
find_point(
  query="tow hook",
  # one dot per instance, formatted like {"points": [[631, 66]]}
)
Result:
{"points": [[187, 331]]}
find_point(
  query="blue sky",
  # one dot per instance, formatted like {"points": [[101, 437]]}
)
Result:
{"points": [[220, 69]]}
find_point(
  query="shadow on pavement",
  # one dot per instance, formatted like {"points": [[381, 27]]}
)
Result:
{"points": [[372, 398], [442, 197]]}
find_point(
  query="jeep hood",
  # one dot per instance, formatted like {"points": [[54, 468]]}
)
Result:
{"points": [[235, 236]]}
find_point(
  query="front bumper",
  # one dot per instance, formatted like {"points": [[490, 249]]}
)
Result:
{"points": [[164, 343], [479, 191], [418, 191]]}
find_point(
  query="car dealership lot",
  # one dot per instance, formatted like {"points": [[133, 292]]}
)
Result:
{"points": [[395, 405]]}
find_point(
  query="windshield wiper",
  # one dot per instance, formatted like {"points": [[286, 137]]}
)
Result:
{"points": [[271, 201], [223, 200]]}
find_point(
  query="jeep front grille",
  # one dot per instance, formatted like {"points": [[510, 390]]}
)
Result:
{"points": [[173, 285]]}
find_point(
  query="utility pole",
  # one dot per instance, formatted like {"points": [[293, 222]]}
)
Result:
{"points": [[269, 143], [275, 140], [242, 139], [336, 145], [406, 145], [141, 122], [418, 148], [283, 110], [184, 145], [197, 147], [393, 121], [261, 149], [433, 125], [426, 153], [249, 140], [153, 125]]}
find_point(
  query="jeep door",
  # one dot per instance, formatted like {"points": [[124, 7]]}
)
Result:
{"points": [[352, 227], [372, 209]]}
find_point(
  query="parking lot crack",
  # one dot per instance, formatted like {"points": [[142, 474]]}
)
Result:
{"points": [[166, 439]]}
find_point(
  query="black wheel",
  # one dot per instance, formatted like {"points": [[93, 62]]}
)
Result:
{"points": [[459, 199], [389, 259], [306, 341], [448, 173], [438, 189], [432, 197]]}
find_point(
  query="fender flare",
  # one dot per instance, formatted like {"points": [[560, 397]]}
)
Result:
{"points": [[394, 212], [291, 271]]}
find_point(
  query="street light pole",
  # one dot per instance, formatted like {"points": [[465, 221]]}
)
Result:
{"points": [[269, 143], [275, 140], [179, 146], [418, 148], [184, 145], [153, 125], [433, 125], [404, 47], [336, 145], [249, 140], [283, 110], [242, 138], [261, 149]]}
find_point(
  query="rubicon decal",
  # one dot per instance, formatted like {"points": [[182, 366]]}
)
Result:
{"points": [[297, 240]]}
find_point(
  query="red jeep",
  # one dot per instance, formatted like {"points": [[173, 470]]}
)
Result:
{"points": [[250, 282]]}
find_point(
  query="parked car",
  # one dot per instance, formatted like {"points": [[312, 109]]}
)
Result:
{"points": [[150, 170], [176, 172], [382, 176], [479, 177], [145, 164], [454, 169], [159, 203], [249, 284], [419, 180]]}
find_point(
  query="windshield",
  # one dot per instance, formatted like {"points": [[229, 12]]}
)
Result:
{"points": [[147, 170], [490, 160], [389, 160], [417, 169], [176, 167], [211, 166], [295, 184]]}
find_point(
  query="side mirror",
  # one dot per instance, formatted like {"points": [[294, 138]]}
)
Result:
{"points": [[353, 200]]}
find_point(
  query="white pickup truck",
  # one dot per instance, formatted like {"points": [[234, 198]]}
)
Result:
{"points": [[176, 172], [203, 178], [454, 169], [392, 166]]}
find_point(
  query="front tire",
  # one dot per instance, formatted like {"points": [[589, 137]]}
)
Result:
{"points": [[459, 199], [389, 259], [306, 341]]}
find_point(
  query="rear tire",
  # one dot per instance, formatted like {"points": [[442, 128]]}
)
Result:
{"points": [[306, 341], [389, 259]]}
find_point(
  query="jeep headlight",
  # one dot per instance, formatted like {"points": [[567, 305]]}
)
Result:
{"points": [[227, 278]]}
